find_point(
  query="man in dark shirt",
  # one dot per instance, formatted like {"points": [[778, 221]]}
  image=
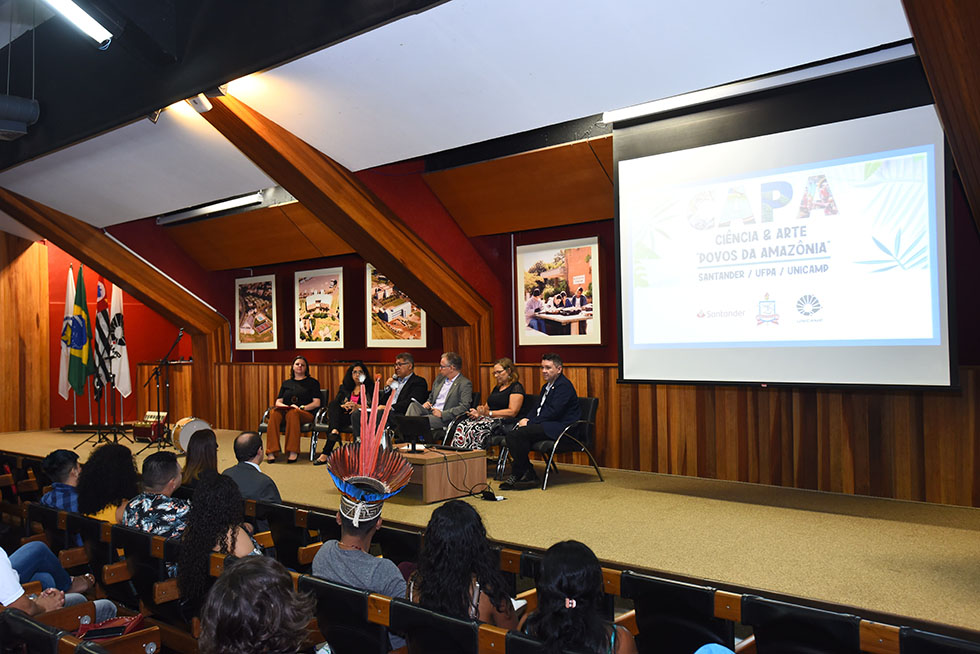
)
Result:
{"points": [[405, 385], [63, 468], [252, 482], [557, 408]]}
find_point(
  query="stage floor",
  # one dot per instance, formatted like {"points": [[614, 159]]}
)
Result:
{"points": [[881, 557]]}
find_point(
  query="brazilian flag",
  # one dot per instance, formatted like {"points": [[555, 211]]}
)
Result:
{"points": [[78, 335]]}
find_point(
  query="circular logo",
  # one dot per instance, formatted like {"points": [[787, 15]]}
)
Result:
{"points": [[808, 305]]}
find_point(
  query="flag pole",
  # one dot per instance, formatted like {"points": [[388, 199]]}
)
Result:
{"points": [[74, 406], [88, 393]]}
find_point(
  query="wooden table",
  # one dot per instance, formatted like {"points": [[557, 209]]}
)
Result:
{"points": [[444, 474]]}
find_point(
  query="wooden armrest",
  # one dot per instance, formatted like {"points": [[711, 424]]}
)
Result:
{"points": [[42, 537], [250, 508], [510, 560], [531, 596], [306, 553], [264, 538], [135, 642], [379, 609], [68, 618], [628, 621], [73, 557], [217, 565], [165, 591], [611, 581], [728, 606], [878, 638], [746, 646], [115, 572], [68, 643], [6, 480], [491, 638], [33, 587], [27, 485]]}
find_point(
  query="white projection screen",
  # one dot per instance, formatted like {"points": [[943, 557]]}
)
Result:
{"points": [[808, 256]]}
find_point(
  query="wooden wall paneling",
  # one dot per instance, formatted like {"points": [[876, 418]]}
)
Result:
{"points": [[181, 382], [646, 427], [347, 206], [560, 185], [24, 344]]}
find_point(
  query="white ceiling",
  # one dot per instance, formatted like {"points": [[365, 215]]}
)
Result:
{"points": [[463, 72]]}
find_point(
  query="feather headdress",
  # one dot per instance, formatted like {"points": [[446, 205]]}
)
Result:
{"points": [[365, 474]]}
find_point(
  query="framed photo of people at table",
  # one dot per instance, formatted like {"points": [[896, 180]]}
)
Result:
{"points": [[255, 313], [393, 320], [319, 302], [557, 292]]}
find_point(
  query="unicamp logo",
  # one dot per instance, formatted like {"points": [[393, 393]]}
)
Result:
{"points": [[808, 305]]}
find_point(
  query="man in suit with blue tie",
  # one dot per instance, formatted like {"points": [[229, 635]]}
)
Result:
{"points": [[451, 396], [557, 408]]}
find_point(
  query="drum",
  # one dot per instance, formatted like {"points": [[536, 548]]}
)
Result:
{"points": [[185, 428]]}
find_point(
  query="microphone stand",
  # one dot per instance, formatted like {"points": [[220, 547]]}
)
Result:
{"points": [[163, 368]]}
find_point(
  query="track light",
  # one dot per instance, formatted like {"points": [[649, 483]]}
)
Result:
{"points": [[200, 103], [80, 19]]}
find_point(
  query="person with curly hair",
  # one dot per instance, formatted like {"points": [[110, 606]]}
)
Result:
{"points": [[202, 454], [357, 380], [107, 482], [252, 607], [570, 597], [458, 573], [214, 524]]}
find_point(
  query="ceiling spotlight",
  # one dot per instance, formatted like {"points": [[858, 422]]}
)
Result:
{"points": [[77, 16], [200, 103]]}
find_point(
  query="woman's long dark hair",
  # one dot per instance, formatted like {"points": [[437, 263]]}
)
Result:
{"points": [[570, 571], [108, 477], [350, 385], [202, 454], [455, 549], [217, 508]]}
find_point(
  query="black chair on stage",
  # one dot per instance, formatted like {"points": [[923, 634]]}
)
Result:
{"points": [[447, 432], [673, 616], [785, 628], [500, 441], [429, 632], [313, 429], [342, 616], [915, 641]]}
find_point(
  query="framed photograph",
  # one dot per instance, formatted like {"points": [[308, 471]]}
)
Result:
{"points": [[319, 300], [255, 313], [558, 293], [393, 320]]}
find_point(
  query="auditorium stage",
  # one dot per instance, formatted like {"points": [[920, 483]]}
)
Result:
{"points": [[881, 557]]}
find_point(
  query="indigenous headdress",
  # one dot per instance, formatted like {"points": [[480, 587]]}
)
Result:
{"points": [[365, 474]]}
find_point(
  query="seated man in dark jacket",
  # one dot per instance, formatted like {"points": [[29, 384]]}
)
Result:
{"points": [[556, 409], [406, 386]]}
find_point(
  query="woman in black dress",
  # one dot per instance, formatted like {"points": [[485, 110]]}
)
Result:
{"points": [[357, 380], [298, 397], [502, 408]]}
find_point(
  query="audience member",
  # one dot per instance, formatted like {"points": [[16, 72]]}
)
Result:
{"points": [[154, 510], [451, 396], [502, 408], [357, 380], [459, 573], [202, 454], [62, 467], [252, 608], [214, 524], [107, 482], [557, 408], [33, 561], [570, 599], [404, 384], [298, 397], [252, 482]]}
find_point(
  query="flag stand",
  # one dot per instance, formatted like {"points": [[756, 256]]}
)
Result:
{"points": [[109, 432]]}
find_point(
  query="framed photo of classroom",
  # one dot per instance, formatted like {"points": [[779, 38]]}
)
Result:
{"points": [[255, 313], [318, 297], [557, 292], [393, 320]]}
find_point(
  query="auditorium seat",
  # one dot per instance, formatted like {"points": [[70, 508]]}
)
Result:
{"points": [[342, 616], [429, 632], [785, 628], [146, 559], [16, 627], [100, 552], [289, 529], [674, 617], [310, 428], [914, 641]]}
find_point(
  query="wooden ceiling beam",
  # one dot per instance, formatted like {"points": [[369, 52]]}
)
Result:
{"points": [[947, 38], [210, 332], [346, 206]]}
